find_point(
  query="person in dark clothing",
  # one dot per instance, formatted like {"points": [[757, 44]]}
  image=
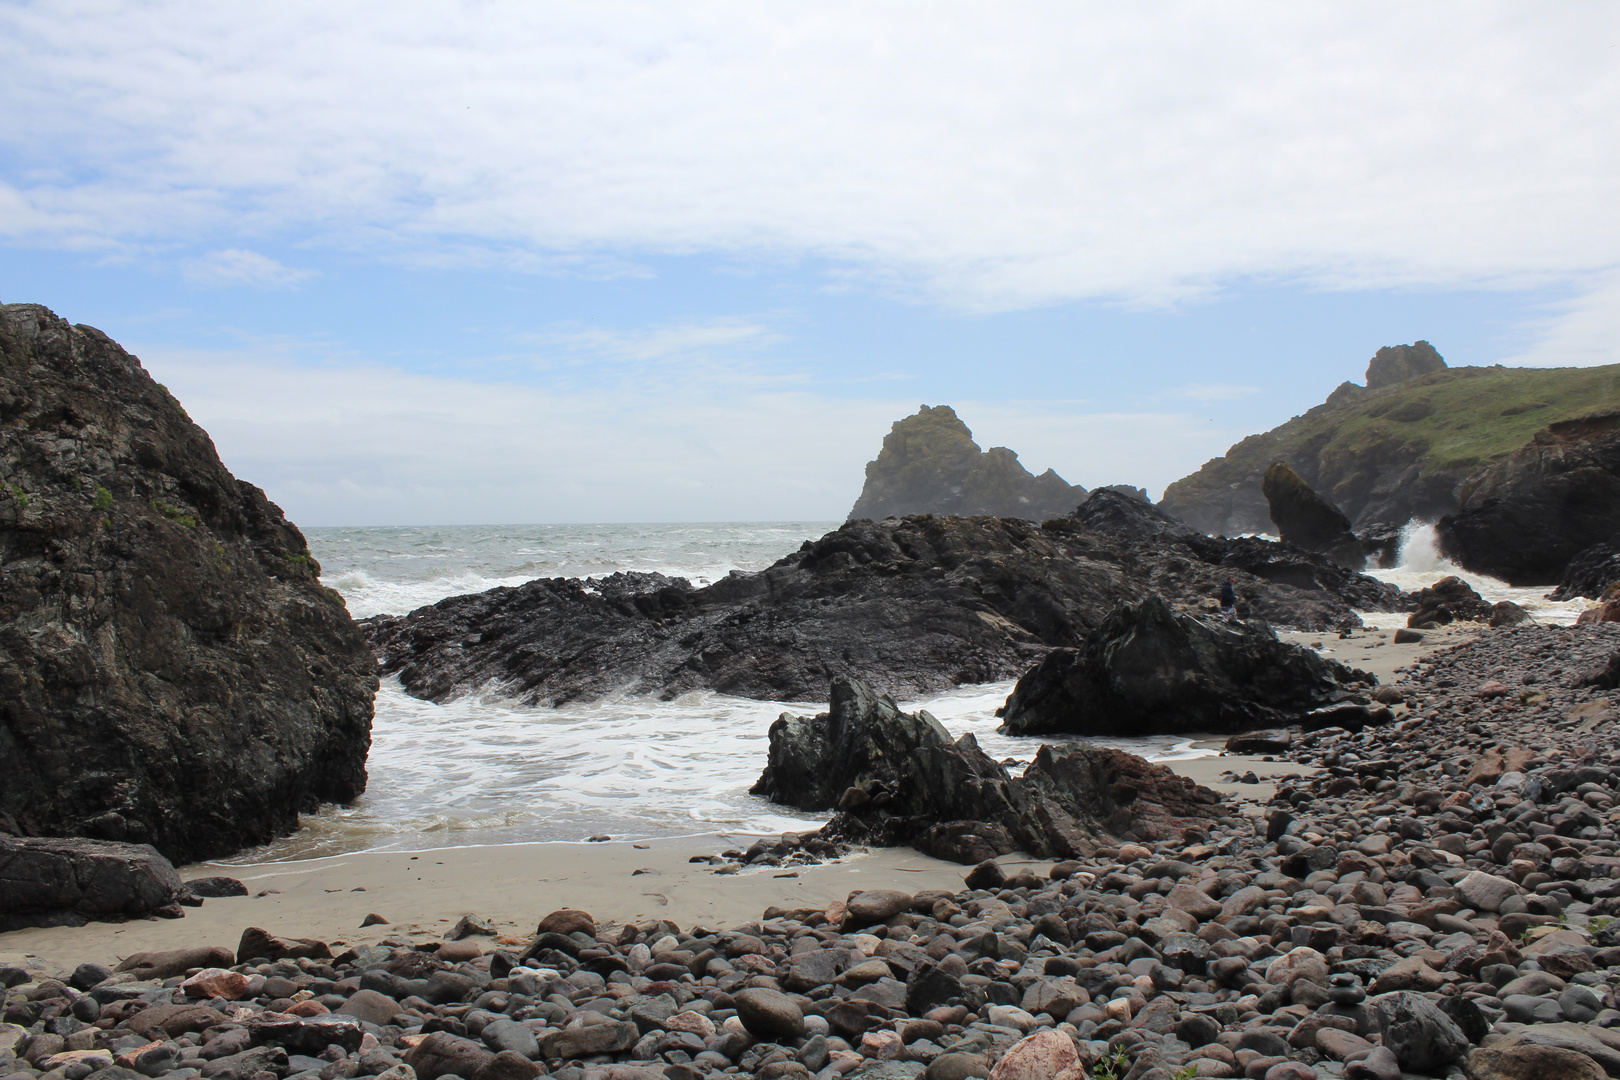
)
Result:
{"points": [[1229, 600]]}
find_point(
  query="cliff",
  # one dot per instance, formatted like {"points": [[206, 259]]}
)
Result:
{"points": [[929, 464], [171, 670], [1394, 450]]}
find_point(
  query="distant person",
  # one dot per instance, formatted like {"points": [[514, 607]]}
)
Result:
{"points": [[1229, 600]]}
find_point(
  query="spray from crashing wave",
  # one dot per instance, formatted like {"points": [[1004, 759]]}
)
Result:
{"points": [[1421, 564]]}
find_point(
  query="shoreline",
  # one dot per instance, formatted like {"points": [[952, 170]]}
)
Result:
{"points": [[620, 880]]}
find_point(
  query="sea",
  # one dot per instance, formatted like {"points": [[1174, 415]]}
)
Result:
{"points": [[483, 770]]}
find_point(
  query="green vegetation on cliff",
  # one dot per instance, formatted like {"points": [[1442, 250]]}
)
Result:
{"points": [[1396, 453]]}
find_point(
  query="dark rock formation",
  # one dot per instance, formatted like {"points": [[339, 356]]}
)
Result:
{"points": [[930, 464], [1395, 364], [911, 606], [171, 669], [69, 881], [1449, 600], [1112, 513], [1388, 456], [1307, 520], [1148, 669], [1525, 518], [1591, 573], [898, 778]]}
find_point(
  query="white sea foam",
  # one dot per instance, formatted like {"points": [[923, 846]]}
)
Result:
{"points": [[1421, 564]]}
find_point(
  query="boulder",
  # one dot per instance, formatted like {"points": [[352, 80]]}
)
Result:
{"points": [[1527, 1061], [1045, 1055], [769, 1014], [1422, 1037], [1449, 600], [1307, 520], [1525, 518], [171, 962], [257, 942], [64, 882], [929, 464], [1600, 1044], [1150, 669], [174, 672]]}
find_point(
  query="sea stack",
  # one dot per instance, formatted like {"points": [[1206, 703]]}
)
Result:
{"points": [[930, 464], [172, 671]]}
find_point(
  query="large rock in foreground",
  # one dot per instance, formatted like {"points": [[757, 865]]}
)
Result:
{"points": [[912, 606], [929, 464], [1525, 518], [69, 881], [898, 778], [1149, 669], [171, 670]]}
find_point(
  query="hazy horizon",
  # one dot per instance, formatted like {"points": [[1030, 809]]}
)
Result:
{"points": [[624, 262]]}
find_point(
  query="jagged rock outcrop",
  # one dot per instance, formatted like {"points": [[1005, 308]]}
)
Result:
{"points": [[929, 464], [1112, 513], [1387, 456], [1307, 520], [1449, 600], [1524, 518], [912, 606], [1395, 364], [1149, 669], [171, 669], [898, 778], [1591, 573]]}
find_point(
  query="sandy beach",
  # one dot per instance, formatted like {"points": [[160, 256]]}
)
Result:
{"points": [[423, 893]]}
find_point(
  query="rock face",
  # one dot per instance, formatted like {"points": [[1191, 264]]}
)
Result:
{"points": [[67, 881], [1305, 519], [171, 669], [1149, 669], [910, 606], [898, 778], [1386, 456], [930, 464], [1591, 573], [1395, 364], [1525, 518]]}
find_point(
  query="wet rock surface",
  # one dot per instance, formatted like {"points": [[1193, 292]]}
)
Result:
{"points": [[898, 778], [1150, 669], [171, 670], [910, 606]]}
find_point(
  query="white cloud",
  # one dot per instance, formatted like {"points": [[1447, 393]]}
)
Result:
{"points": [[236, 266], [658, 344], [994, 155], [356, 444], [1580, 332]]}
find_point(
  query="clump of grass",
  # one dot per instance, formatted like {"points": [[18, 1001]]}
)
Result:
{"points": [[20, 495], [174, 513], [103, 499]]}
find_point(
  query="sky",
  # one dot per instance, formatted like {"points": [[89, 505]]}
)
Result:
{"points": [[497, 262]]}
